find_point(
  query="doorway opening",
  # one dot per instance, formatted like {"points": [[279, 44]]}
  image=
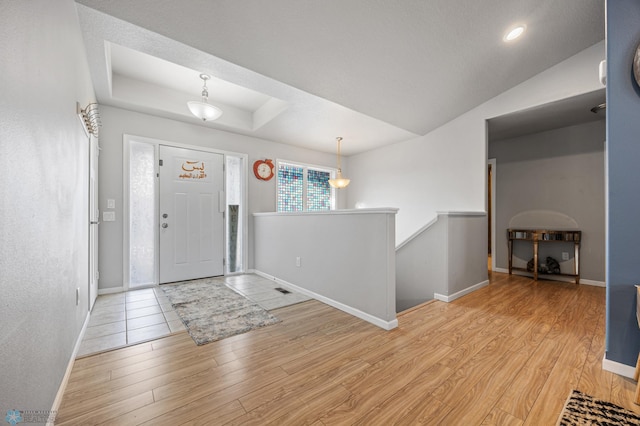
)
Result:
{"points": [[94, 220], [491, 191], [144, 187]]}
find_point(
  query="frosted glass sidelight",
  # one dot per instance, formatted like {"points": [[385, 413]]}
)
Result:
{"points": [[234, 173], [142, 208]]}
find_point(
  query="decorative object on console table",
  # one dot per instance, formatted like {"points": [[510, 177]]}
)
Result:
{"points": [[538, 235]]}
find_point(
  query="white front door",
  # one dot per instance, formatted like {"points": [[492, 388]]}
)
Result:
{"points": [[94, 217], [191, 214]]}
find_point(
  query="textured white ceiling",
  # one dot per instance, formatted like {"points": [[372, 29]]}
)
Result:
{"points": [[140, 66], [408, 65], [566, 112]]}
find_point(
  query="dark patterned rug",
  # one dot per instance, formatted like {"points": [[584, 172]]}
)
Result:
{"points": [[212, 311], [582, 409]]}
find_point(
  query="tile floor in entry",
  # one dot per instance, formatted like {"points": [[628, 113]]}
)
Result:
{"points": [[123, 319], [263, 291], [136, 316]]}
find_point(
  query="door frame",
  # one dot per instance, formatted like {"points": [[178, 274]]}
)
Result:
{"points": [[126, 139], [94, 219], [492, 162], [93, 212]]}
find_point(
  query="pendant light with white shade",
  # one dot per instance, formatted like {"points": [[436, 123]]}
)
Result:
{"points": [[339, 182], [203, 109]]}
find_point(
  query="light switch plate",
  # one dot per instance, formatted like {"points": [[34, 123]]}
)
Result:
{"points": [[108, 216], [111, 203]]}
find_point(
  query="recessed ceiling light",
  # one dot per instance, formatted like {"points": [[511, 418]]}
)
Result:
{"points": [[514, 33]]}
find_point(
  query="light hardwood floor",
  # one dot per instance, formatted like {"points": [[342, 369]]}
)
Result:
{"points": [[508, 354]]}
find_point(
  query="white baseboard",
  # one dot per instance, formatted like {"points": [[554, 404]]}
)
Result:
{"points": [[618, 368], [65, 379], [387, 325], [563, 279], [461, 293], [593, 283], [110, 290]]}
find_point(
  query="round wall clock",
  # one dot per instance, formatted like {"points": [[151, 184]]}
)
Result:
{"points": [[263, 169]]}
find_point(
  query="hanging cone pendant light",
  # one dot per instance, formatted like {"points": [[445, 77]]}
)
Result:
{"points": [[339, 182], [203, 109]]}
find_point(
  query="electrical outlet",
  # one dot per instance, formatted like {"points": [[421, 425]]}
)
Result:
{"points": [[108, 216], [111, 203], [298, 261], [565, 255]]}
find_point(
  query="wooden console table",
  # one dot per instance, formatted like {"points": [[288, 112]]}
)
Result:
{"points": [[537, 236]]}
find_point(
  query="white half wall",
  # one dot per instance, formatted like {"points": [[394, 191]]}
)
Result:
{"points": [[346, 257]]}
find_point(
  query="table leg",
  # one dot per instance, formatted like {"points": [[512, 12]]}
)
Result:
{"points": [[510, 257], [535, 260], [576, 262]]}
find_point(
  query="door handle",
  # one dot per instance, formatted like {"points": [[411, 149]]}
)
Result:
{"points": [[165, 225], [94, 222]]}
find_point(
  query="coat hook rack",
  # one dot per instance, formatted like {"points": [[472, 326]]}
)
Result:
{"points": [[90, 117]]}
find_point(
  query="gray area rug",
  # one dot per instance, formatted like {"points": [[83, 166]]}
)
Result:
{"points": [[212, 311]]}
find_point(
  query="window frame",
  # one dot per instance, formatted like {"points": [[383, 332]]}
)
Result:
{"points": [[306, 166]]}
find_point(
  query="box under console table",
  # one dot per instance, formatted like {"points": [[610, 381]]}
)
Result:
{"points": [[537, 236]]}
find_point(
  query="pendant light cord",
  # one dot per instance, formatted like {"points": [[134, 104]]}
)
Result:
{"points": [[339, 139], [205, 92]]}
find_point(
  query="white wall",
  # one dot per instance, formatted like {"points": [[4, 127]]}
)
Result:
{"points": [[347, 258], [467, 257], [421, 267], [117, 122], [561, 170], [445, 170], [43, 198], [445, 261]]}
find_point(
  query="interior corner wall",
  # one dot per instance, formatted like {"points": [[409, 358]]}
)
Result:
{"points": [[466, 258], [44, 217], [117, 122], [623, 176], [560, 170], [445, 170]]}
